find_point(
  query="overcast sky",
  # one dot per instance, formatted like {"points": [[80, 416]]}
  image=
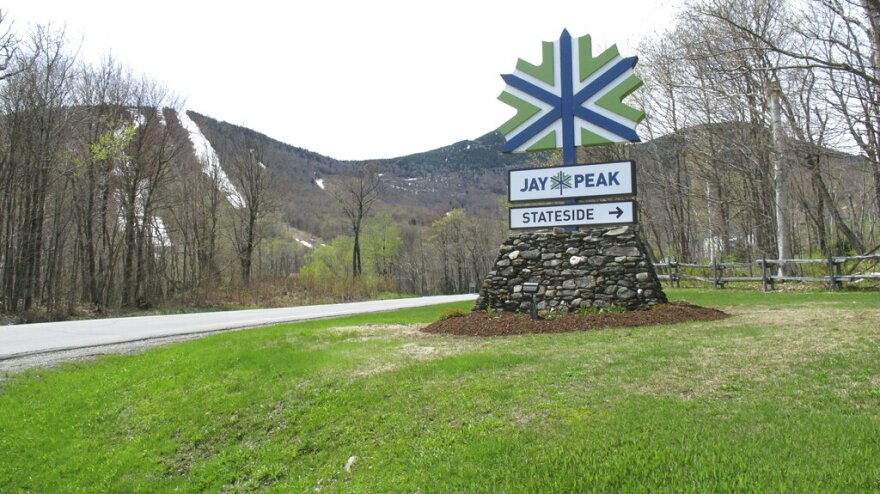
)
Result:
{"points": [[348, 79]]}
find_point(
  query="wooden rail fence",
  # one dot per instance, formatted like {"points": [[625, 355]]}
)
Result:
{"points": [[828, 271]]}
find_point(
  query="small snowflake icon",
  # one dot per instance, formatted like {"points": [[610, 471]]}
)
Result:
{"points": [[560, 181]]}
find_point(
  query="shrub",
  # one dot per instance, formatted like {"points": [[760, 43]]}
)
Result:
{"points": [[551, 314], [613, 308], [589, 311], [450, 313]]}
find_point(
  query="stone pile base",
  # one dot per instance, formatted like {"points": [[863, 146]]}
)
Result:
{"points": [[597, 267]]}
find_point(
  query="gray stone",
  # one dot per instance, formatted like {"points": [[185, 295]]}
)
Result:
{"points": [[513, 255], [571, 251], [597, 260], [503, 263], [617, 231], [625, 293], [575, 260], [530, 254], [643, 276], [552, 263], [568, 284], [585, 282], [622, 251]]}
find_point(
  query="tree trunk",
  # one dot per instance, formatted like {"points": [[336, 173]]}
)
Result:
{"points": [[819, 218], [356, 254], [872, 9], [783, 245]]}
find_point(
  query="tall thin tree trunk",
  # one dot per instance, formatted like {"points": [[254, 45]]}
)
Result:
{"points": [[783, 245]]}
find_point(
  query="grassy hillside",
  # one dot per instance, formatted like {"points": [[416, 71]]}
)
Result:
{"points": [[782, 397]]}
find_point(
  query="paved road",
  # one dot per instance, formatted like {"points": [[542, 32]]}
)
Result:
{"points": [[32, 339]]}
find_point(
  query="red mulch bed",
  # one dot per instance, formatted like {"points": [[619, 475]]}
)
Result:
{"points": [[508, 323]]}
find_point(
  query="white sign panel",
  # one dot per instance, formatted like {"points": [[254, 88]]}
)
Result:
{"points": [[599, 213], [568, 182]]}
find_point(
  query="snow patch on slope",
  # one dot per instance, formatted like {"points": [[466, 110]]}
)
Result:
{"points": [[159, 233], [137, 117], [306, 243], [210, 162], [320, 183]]}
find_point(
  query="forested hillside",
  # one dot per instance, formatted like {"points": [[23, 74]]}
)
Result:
{"points": [[761, 140]]}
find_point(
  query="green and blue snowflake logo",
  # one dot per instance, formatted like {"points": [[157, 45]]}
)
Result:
{"points": [[571, 99], [560, 181]]}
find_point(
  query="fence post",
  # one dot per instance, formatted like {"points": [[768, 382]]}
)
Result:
{"points": [[673, 274], [832, 284], [763, 273], [715, 273], [677, 275]]}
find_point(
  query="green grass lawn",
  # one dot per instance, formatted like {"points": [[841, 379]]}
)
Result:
{"points": [[784, 396]]}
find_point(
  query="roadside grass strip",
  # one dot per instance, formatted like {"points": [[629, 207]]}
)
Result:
{"points": [[783, 396]]}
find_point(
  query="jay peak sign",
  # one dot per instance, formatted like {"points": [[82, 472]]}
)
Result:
{"points": [[563, 182], [572, 98]]}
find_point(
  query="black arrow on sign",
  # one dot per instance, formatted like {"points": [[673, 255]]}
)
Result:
{"points": [[618, 212]]}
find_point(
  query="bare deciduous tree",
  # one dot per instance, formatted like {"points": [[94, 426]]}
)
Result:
{"points": [[356, 195], [251, 178]]}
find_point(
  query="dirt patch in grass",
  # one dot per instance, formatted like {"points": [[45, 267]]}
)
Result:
{"points": [[508, 323]]}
